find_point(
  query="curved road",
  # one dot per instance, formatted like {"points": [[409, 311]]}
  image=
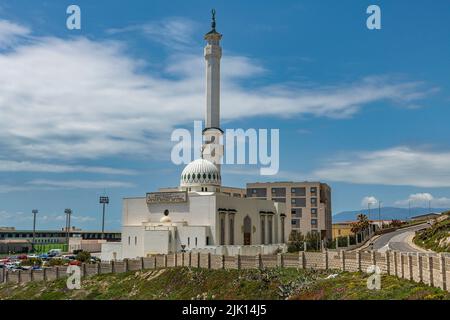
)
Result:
{"points": [[398, 240]]}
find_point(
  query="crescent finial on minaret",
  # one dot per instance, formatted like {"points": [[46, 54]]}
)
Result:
{"points": [[213, 22]]}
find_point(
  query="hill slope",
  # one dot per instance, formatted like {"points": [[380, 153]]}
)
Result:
{"points": [[187, 284], [436, 238], [387, 213]]}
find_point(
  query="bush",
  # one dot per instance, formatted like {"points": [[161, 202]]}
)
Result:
{"points": [[83, 256], [57, 262], [32, 262]]}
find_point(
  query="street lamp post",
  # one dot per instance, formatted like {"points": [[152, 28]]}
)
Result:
{"points": [[68, 212], [34, 211], [370, 227], [104, 200], [379, 213]]}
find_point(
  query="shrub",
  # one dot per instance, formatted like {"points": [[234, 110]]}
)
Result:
{"points": [[83, 256], [57, 262], [32, 262]]}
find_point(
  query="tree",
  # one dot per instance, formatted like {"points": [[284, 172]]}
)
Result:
{"points": [[296, 240], [83, 256], [361, 224], [396, 223]]}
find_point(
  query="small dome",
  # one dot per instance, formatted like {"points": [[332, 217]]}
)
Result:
{"points": [[200, 172], [165, 219]]}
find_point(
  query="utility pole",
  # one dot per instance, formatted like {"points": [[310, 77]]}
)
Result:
{"points": [[104, 200], [379, 213], [409, 209], [68, 212], [34, 211]]}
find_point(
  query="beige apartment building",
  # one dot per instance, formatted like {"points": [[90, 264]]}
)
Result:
{"points": [[308, 204]]}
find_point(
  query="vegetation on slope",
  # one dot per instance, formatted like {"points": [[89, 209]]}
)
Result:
{"points": [[436, 238], [188, 284]]}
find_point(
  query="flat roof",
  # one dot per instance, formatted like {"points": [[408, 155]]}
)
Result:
{"points": [[56, 231]]}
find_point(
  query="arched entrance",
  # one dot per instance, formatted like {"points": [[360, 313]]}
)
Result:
{"points": [[247, 231]]}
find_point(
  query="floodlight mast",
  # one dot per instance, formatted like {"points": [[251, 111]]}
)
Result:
{"points": [[104, 200]]}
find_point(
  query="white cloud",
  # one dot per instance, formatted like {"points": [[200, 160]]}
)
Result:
{"points": [[80, 184], [78, 98], [424, 199], [175, 33], [10, 32], [26, 166], [395, 166], [14, 218], [368, 200]]}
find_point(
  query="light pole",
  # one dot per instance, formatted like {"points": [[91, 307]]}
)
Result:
{"points": [[104, 200], [34, 211], [68, 212], [379, 213], [409, 209], [370, 227]]}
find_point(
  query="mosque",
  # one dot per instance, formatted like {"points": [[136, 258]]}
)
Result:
{"points": [[201, 214]]}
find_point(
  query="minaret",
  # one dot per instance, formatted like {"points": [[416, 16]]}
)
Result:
{"points": [[213, 53], [212, 150]]}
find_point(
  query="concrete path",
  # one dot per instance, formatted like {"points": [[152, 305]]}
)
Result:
{"points": [[400, 240]]}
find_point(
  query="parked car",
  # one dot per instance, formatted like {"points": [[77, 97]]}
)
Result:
{"points": [[22, 257], [43, 256], [54, 252], [75, 263], [94, 260]]}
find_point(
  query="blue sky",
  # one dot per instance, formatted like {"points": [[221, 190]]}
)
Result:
{"points": [[88, 111]]}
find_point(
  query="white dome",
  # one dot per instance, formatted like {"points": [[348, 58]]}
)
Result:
{"points": [[200, 172], [165, 219]]}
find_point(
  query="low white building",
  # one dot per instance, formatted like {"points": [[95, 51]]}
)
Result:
{"points": [[188, 219]]}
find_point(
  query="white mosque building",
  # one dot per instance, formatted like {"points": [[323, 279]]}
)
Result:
{"points": [[201, 214]]}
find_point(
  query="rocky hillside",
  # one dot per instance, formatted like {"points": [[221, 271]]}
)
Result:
{"points": [[188, 284], [436, 238]]}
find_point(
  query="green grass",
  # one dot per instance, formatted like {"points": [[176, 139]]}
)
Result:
{"points": [[187, 284], [433, 238]]}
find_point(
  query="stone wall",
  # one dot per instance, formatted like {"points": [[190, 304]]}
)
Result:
{"points": [[431, 269]]}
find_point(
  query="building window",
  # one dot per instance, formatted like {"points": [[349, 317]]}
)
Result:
{"points": [[298, 192], [222, 231], [135, 241], [263, 230], [278, 192], [270, 231], [298, 202], [196, 241], [207, 241], [314, 211], [129, 240], [189, 241], [257, 192], [296, 213], [314, 222], [314, 202], [231, 231], [313, 191], [294, 222]]}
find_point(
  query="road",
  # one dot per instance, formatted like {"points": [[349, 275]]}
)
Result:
{"points": [[398, 240]]}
